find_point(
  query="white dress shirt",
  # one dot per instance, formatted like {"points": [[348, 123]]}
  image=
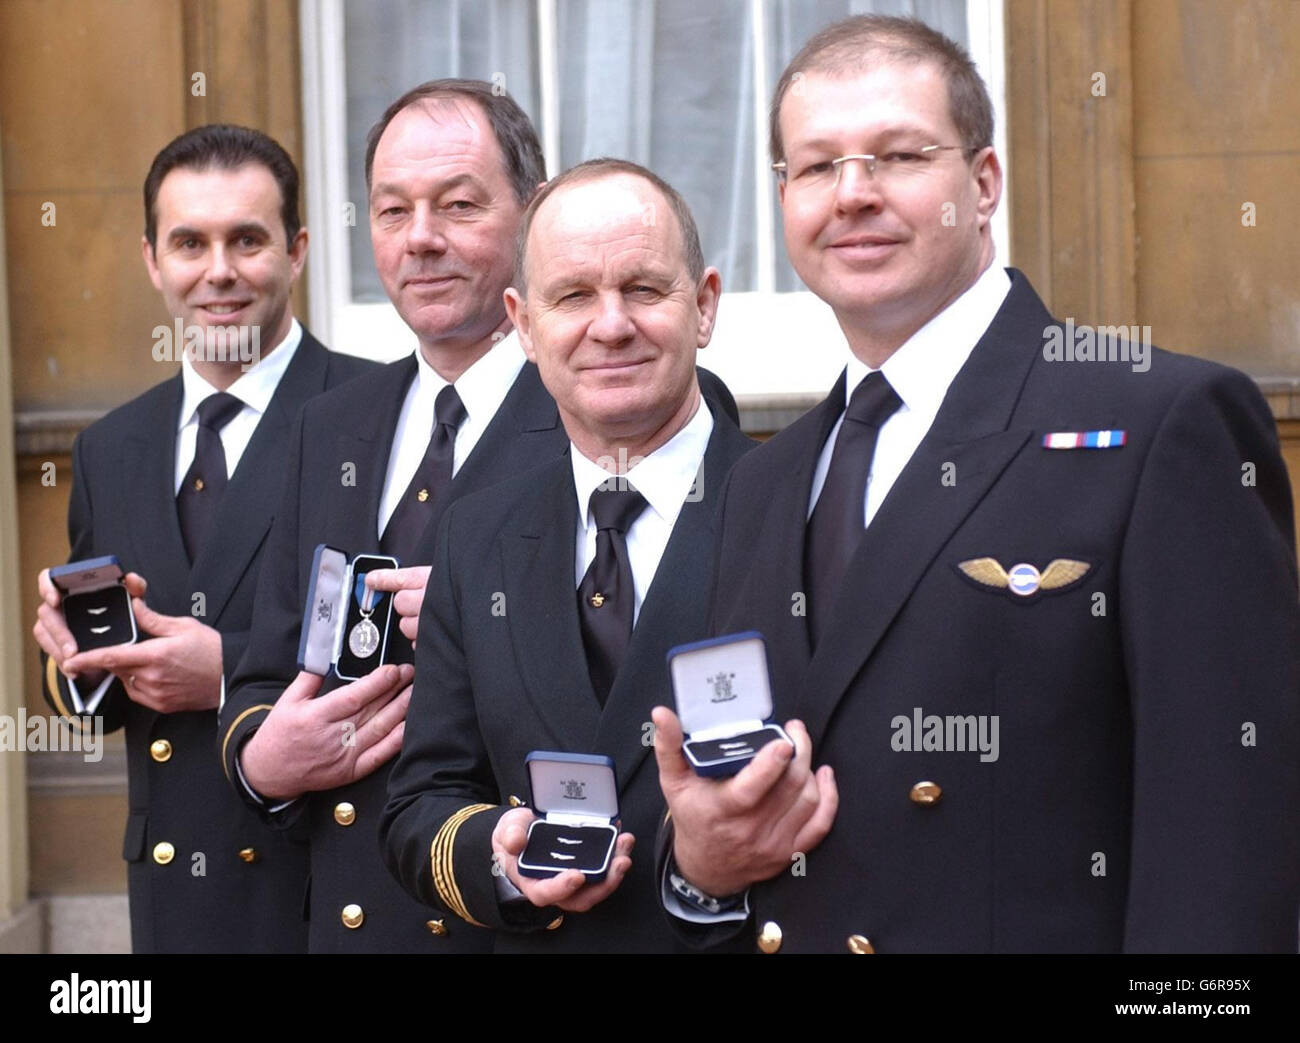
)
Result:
{"points": [[482, 389], [920, 371], [664, 478], [255, 388]]}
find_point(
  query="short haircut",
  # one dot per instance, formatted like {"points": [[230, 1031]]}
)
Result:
{"points": [[224, 147], [855, 43], [525, 168], [595, 170]]}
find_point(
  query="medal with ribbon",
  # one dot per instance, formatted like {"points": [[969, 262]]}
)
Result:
{"points": [[363, 639]]}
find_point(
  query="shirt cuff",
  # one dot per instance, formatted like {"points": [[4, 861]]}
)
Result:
{"points": [[257, 798], [674, 906], [90, 704]]}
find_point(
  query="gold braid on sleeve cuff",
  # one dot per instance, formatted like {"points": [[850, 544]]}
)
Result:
{"points": [[440, 857], [225, 743]]}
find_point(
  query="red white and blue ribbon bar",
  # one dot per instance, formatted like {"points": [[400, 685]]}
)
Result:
{"points": [[1084, 439]]}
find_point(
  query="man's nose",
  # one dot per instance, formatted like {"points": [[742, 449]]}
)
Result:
{"points": [[612, 324], [857, 185], [425, 232], [221, 268]]}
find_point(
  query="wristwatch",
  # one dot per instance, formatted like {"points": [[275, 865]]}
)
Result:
{"points": [[695, 898]]}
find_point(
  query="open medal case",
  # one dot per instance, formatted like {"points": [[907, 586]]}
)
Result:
{"points": [[723, 691], [577, 795], [345, 626], [96, 606]]}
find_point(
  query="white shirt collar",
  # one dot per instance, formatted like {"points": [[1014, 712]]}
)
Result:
{"points": [[926, 363], [255, 387], [481, 387], [664, 477]]}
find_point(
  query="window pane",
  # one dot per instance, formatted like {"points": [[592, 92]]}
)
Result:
{"points": [[393, 45], [668, 84]]}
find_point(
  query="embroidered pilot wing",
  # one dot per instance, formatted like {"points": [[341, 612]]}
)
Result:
{"points": [[986, 571], [1063, 571], [1024, 579]]}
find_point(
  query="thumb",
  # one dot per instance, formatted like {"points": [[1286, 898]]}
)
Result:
{"points": [[135, 584], [514, 836], [155, 622], [305, 686], [668, 745]]}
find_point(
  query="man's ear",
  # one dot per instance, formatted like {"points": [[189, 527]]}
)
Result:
{"points": [[707, 295], [298, 253], [517, 313], [988, 180], [150, 263]]}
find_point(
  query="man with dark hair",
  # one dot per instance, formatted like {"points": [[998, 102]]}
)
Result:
{"points": [[223, 146], [179, 485], [446, 197], [1032, 617], [612, 308]]}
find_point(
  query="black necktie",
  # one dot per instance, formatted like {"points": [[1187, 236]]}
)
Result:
{"points": [[835, 528], [606, 596], [205, 481], [415, 508]]}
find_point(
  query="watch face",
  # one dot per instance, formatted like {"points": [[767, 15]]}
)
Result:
{"points": [[364, 639]]}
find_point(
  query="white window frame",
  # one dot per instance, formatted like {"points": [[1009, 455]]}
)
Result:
{"points": [[756, 331]]}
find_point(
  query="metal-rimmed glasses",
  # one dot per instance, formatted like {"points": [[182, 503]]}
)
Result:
{"points": [[886, 166]]}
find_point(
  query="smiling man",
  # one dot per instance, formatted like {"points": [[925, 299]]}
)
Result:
{"points": [[1096, 561], [451, 166], [557, 595], [179, 485]]}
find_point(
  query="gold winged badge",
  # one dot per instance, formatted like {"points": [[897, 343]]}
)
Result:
{"points": [[1024, 579]]}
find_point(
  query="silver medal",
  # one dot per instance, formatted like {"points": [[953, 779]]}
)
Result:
{"points": [[364, 639]]}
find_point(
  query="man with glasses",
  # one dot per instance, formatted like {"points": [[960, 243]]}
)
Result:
{"points": [[1030, 620]]}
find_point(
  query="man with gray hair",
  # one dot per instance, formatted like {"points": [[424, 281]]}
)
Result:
{"points": [[1094, 563], [450, 167], [556, 595]]}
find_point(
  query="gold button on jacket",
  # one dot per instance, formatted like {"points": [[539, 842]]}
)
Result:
{"points": [[926, 793], [344, 813], [436, 927], [859, 945], [248, 854], [769, 937], [163, 853], [160, 750], [352, 916]]}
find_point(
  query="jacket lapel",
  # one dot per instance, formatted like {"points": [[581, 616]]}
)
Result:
{"points": [[781, 568], [921, 512], [675, 610], [527, 409], [150, 472], [537, 559], [352, 513], [248, 505]]}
